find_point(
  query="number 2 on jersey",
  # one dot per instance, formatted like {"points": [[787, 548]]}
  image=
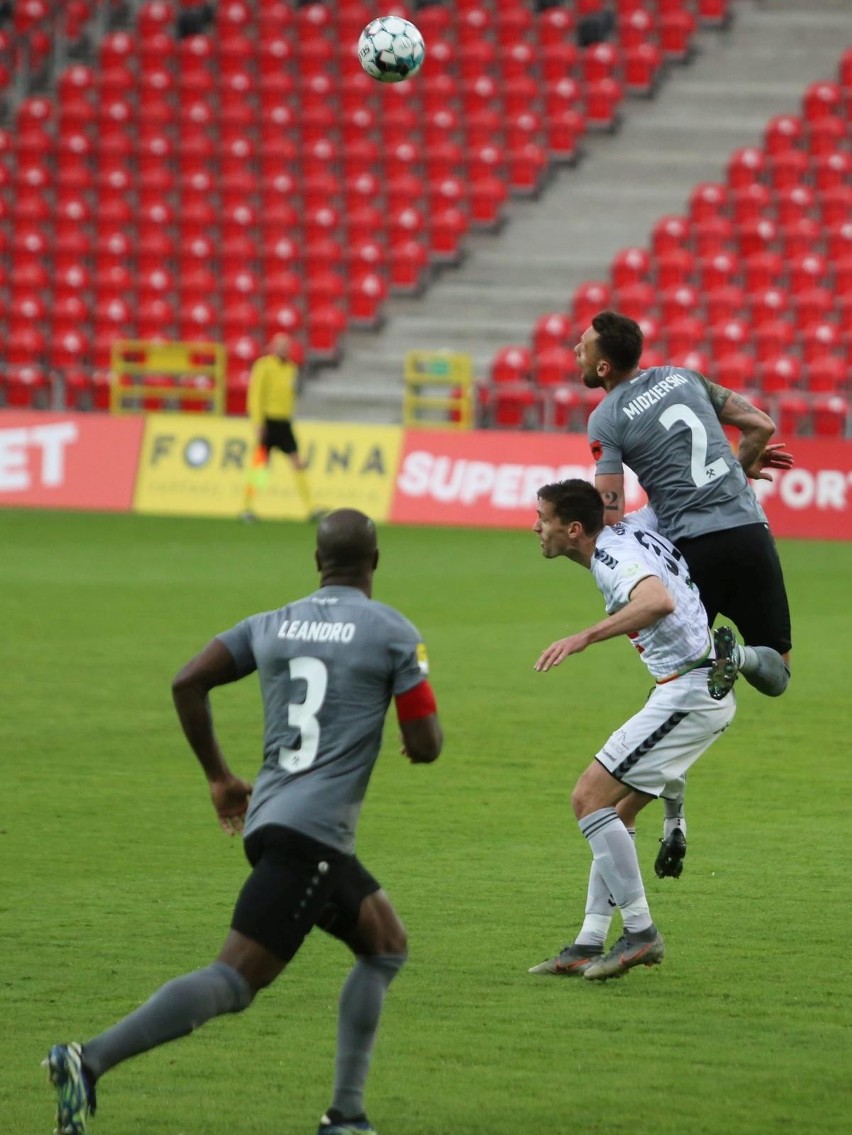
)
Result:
{"points": [[302, 715], [702, 473]]}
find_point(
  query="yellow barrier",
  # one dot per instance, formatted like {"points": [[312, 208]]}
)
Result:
{"points": [[151, 375], [438, 390]]}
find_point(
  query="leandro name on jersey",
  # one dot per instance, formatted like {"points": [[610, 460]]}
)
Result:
{"points": [[308, 631]]}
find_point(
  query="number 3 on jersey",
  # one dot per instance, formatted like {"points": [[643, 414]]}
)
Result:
{"points": [[702, 473], [302, 715]]}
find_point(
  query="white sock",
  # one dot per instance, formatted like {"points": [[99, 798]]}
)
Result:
{"points": [[615, 856]]}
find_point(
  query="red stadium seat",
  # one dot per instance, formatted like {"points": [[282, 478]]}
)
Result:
{"points": [[630, 266], [679, 302], [830, 416], [793, 414], [826, 374], [779, 373], [511, 364], [366, 297], [553, 366], [735, 370], [588, 299], [783, 132], [553, 329], [822, 99], [707, 200], [682, 336], [25, 386], [724, 303]]}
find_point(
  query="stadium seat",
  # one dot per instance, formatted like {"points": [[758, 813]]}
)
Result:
{"points": [[734, 370], [588, 299], [783, 132], [553, 329], [24, 386], [679, 302], [825, 374], [669, 234], [727, 338], [761, 270], [630, 266], [779, 373], [682, 336], [366, 295], [821, 99], [819, 340], [793, 414], [830, 416]]}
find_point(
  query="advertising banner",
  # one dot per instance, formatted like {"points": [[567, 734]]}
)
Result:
{"points": [[490, 478], [814, 498], [486, 478], [192, 465], [85, 461]]}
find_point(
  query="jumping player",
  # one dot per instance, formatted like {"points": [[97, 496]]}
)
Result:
{"points": [[666, 423]]}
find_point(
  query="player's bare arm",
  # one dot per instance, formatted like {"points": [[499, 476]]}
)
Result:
{"points": [[422, 736], [650, 600], [214, 666], [611, 488], [755, 453]]}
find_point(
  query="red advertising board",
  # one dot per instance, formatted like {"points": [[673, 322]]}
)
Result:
{"points": [[814, 499], [86, 461], [489, 479]]}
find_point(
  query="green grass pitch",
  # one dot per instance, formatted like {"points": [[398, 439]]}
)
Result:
{"points": [[114, 876]]}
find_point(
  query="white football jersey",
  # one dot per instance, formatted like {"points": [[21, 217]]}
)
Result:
{"points": [[631, 551]]}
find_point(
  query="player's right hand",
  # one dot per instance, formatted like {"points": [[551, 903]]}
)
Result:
{"points": [[231, 799]]}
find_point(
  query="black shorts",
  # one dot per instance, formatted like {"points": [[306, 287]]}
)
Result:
{"points": [[739, 575], [278, 434], [298, 883]]}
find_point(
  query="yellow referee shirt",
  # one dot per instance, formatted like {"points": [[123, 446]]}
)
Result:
{"points": [[272, 389]]}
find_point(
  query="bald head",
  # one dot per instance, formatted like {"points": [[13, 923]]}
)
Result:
{"points": [[280, 345], [347, 549]]}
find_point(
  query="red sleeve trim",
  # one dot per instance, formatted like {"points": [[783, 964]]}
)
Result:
{"points": [[416, 702]]}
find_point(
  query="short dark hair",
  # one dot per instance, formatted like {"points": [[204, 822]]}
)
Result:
{"points": [[346, 539], [575, 499], [620, 339]]}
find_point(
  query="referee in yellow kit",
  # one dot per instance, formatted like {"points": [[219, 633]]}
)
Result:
{"points": [[271, 400]]}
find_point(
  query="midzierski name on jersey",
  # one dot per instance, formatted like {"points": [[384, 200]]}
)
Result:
{"points": [[654, 394]]}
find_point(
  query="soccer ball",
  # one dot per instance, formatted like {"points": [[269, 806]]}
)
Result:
{"points": [[391, 49]]}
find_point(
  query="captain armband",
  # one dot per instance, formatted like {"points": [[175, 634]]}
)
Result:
{"points": [[416, 703]]}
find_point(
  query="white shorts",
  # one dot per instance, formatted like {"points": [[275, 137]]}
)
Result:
{"points": [[652, 751]]}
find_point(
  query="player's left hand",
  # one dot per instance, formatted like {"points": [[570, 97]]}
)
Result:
{"points": [[559, 650], [774, 456], [230, 799]]}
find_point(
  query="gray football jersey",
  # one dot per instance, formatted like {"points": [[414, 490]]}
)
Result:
{"points": [[663, 426], [328, 665]]}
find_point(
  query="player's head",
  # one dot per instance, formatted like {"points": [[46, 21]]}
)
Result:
{"points": [[347, 548], [609, 349], [280, 345], [569, 516]]}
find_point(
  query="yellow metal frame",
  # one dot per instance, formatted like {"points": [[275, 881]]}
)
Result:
{"points": [[438, 390], [144, 361]]}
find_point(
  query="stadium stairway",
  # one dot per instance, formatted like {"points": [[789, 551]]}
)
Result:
{"points": [[721, 99]]}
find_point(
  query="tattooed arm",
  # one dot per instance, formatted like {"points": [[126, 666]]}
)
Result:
{"points": [[611, 488], [756, 428]]}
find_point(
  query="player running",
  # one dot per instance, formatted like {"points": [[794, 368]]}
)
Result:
{"points": [[329, 665]]}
